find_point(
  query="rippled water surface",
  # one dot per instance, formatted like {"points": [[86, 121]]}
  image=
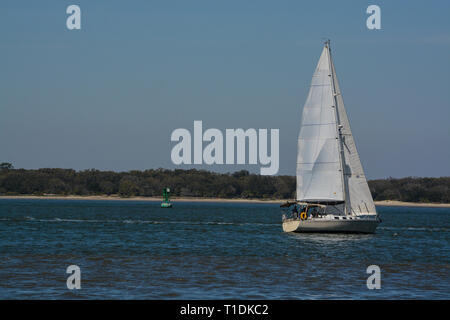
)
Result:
{"points": [[128, 249]]}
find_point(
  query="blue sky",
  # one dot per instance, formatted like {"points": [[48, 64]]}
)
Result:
{"points": [[108, 96]]}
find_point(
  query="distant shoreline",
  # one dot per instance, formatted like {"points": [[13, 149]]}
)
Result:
{"points": [[395, 203], [384, 203], [149, 199]]}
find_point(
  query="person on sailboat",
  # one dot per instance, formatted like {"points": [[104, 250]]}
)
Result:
{"points": [[295, 211]]}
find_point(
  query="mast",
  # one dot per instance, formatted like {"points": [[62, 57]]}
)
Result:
{"points": [[338, 126]]}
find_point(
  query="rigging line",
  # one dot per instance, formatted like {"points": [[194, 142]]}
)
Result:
{"points": [[345, 144], [321, 139], [317, 162], [318, 124]]}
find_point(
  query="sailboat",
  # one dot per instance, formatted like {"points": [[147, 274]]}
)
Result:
{"points": [[332, 190]]}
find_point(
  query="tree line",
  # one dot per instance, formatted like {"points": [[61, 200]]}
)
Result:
{"points": [[197, 183]]}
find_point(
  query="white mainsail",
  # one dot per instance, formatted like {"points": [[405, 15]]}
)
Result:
{"points": [[328, 165], [318, 161]]}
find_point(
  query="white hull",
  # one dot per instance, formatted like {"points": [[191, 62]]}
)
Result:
{"points": [[324, 225]]}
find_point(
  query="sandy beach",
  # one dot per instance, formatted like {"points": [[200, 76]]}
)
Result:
{"points": [[150, 199], [391, 203], [395, 203]]}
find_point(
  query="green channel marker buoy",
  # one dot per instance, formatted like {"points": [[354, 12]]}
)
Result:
{"points": [[166, 199]]}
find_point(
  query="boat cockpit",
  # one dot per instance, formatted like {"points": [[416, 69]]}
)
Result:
{"points": [[296, 210]]}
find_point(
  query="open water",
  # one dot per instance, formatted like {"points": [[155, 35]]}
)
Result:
{"points": [[136, 250]]}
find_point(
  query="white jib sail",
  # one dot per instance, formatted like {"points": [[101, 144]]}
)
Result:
{"points": [[358, 197], [318, 161]]}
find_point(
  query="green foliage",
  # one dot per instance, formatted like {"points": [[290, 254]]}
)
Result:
{"points": [[412, 189], [197, 183], [6, 166]]}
